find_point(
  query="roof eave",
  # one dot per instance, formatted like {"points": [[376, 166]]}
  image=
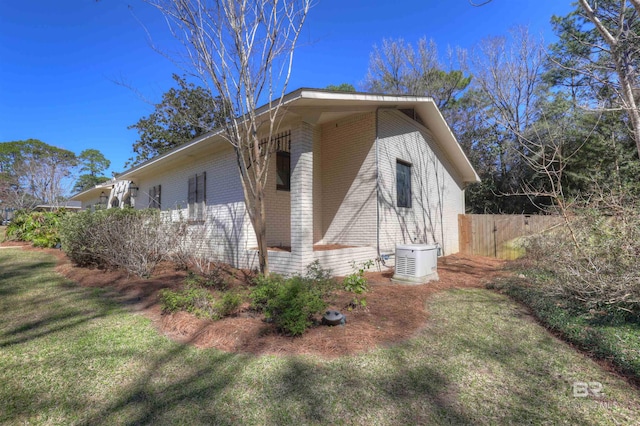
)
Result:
{"points": [[432, 116], [439, 126]]}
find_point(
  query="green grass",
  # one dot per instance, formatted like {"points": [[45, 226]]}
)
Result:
{"points": [[608, 338], [70, 355], [3, 229]]}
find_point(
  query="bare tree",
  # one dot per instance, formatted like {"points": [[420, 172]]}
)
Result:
{"points": [[508, 74], [397, 67], [244, 50], [33, 172], [48, 180], [505, 92], [617, 23]]}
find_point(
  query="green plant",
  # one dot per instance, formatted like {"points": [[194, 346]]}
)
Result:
{"points": [[229, 304], [195, 300], [290, 304], [293, 307], [266, 288], [357, 283], [192, 279], [322, 278], [41, 229]]}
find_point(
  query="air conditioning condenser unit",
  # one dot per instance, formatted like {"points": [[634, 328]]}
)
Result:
{"points": [[416, 263]]}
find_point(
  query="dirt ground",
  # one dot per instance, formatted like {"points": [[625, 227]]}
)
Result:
{"points": [[393, 313]]}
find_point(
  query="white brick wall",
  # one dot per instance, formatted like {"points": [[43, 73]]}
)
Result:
{"points": [[348, 181], [340, 261], [332, 199], [278, 210], [226, 232], [317, 184], [302, 194], [436, 197]]}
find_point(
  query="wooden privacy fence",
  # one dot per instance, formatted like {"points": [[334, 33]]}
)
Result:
{"points": [[497, 235]]}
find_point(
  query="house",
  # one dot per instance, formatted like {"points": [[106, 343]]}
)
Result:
{"points": [[68, 205], [355, 174]]}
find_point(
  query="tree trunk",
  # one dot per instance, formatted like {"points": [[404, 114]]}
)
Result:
{"points": [[260, 226], [624, 69], [254, 201], [631, 107]]}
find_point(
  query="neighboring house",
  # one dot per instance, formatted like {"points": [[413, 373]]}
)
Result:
{"points": [[355, 174], [68, 205]]}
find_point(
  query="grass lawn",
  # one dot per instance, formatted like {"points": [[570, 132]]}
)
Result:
{"points": [[71, 355], [606, 337]]}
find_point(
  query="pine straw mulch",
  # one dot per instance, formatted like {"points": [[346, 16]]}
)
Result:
{"points": [[393, 313]]}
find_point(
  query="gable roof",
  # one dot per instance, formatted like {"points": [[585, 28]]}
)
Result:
{"points": [[317, 106]]}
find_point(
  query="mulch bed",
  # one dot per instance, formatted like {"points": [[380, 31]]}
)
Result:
{"points": [[393, 313]]}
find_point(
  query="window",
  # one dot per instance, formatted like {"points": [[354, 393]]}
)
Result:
{"points": [[154, 197], [403, 183], [197, 196], [283, 171], [280, 144]]}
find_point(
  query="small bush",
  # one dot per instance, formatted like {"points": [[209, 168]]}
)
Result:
{"points": [[229, 304], [357, 283], [134, 240], [294, 306], [198, 300], [38, 228], [266, 288], [322, 278], [290, 304], [195, 300]]}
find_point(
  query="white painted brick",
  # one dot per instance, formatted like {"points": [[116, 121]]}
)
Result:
{"points": [[437, 198], [348, 181], [332, 200]]}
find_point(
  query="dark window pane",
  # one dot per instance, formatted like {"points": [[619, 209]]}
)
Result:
{"points": [[283, 173], [197, 196], [403, 183]]}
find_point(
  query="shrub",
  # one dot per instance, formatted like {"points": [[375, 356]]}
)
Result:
{"points": [[135, 240], [198, 300], [266, 288], [229, 304], [295, 304], [290, 304], [601, 271], [322, 278], [38, 228], [194, 249], [356, 282], [195, 300]]}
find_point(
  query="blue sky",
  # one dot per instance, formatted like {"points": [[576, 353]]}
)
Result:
{"points": [[59, 60]]}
